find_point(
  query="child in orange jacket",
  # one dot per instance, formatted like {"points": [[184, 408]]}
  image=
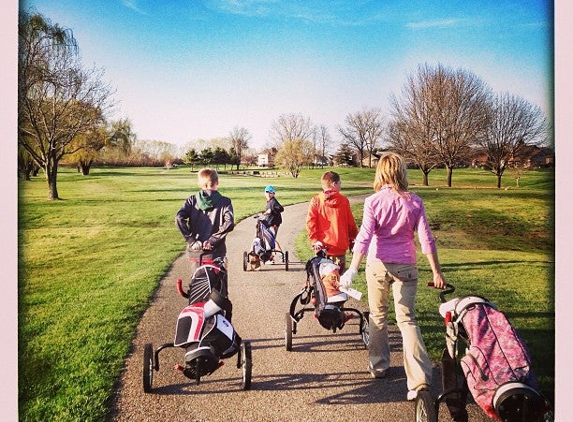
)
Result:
{"points": [[329, 222]]}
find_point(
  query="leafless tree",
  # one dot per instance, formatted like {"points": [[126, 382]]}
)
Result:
{"points": [[410, 131], [290, 127], [363, 132], [514, 124], [239, 138], [324, 140], [57, 99], [440, 116], [416, 149]]}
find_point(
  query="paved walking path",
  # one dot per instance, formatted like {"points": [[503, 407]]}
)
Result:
{"points": [[324, 377]]}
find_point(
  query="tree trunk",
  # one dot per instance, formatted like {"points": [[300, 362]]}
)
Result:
{"points": [[499, 181], [449, 172], [425, 179], [51, 171]]}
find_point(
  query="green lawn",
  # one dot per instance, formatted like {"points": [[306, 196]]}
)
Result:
{"points": [[90, 263]]}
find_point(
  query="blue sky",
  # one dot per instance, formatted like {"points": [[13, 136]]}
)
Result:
{"points": [[190, 69]]}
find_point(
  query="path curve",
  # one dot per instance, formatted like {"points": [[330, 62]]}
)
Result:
{"points": [[324, 377]]}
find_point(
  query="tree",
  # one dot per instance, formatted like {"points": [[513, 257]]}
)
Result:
{"points": [[26, 164], [514, 125], [239, 138], [293, 134], [291, 127], [88, 146], [120, 142], [343, 156], [121, 135], [221, 156], [192, 158], [409, 134], [57, 99], [295, 154], [207, 156], [363, 131], [323, 138], [440, 116]]}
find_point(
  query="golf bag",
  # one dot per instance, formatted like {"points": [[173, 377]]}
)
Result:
{"points": [[497, 363], [264, 242], [204, 327]]}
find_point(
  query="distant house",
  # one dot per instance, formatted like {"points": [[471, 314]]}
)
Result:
{"points": [[370, 160], [266, 158], [531, 157], [263, 160], [536, 157]]}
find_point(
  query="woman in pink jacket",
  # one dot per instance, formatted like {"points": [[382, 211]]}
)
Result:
{"points": [[392, 215]]}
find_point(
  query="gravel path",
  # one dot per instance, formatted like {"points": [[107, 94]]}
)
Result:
{"points": [[324, 377]]}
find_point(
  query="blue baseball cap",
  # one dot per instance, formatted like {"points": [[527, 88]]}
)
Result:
{"points": [[270, 189]]}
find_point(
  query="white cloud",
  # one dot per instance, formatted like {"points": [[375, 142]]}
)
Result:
{"points": [[442, 23], [132, 4]]}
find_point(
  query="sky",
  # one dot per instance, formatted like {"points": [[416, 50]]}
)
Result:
{"points": [[194, 69]]}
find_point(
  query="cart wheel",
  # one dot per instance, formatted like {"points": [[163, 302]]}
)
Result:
{"points": [[147, 367], [288, 332], [245, 261], [286, 260], [247, 364], [365, 329], [425, 409]]}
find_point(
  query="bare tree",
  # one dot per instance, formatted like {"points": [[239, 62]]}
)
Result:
{"points": [[324, 140], [414, 149], [410, 131], [442, 114], [239, 138], [363, 131], [290, 127], [57, 100], [514, 125]]}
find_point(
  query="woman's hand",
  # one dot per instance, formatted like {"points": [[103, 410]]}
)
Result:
{"points": [[439, 281]]}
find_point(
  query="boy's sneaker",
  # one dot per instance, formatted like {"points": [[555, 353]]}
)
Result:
{"points": [[376, 373]]}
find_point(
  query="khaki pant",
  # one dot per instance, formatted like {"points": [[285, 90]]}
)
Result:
{"points": [[404, 282]]}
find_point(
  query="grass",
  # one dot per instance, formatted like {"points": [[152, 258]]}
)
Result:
{"points": [[89, 265]]}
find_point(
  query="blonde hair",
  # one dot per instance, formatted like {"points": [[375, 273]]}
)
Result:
{"points": [[207, 178], [391, 170], [329, 178]]}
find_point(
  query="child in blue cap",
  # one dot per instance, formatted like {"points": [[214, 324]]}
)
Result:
{"points": [[273, 210]]}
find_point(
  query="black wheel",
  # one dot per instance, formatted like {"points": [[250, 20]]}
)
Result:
{"points": [[425, 409], [148, 367], [286, 260], [245, 261], [246, 364], [365, 329], [288, 332]]}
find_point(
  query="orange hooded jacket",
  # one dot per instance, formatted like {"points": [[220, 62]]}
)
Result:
{"points": [[330, 221]]}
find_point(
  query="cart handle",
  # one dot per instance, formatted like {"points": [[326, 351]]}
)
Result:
{"points": [[180, 289], [448, 290]]}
